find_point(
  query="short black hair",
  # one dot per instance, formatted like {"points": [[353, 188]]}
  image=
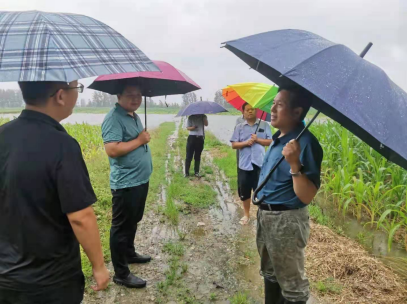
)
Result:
{"points": [[36, 93], [244, 106], [128, 83], [299, 98]]}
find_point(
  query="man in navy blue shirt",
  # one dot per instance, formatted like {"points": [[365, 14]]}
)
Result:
{"points": [[283, 219]]}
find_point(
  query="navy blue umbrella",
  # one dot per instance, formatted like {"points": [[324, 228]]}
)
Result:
{"points": [[201, 107], [354, 92]]}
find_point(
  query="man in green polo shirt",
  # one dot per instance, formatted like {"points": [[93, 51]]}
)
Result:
{"points": [[126, 144]]}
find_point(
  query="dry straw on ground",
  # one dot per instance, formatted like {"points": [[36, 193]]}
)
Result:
{"points": [[360, 277]]}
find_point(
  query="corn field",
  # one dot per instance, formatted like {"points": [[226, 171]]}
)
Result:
{"points": [[359, 180]]}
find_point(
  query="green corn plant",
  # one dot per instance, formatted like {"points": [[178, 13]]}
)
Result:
{"points": [[391, 226], [358, 191]]}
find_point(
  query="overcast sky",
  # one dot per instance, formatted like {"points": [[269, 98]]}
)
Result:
{"points": [[188, 33]]}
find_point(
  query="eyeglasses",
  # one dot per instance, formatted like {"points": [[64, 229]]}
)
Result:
{"points": [[79, 88]]}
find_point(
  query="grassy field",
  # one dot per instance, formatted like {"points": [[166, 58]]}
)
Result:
{"points": [[10, 110], [3, 121]]}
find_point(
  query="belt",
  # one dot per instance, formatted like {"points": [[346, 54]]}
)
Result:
{"points": [[279, 207]]}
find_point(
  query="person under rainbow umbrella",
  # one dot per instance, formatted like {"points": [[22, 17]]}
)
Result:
{"points": [[250, 136]]}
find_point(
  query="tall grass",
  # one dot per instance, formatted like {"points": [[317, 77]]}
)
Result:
{"points": [[359, 180], [3, 121]]}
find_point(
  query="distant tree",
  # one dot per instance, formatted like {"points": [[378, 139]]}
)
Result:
{"points": [[220, 99], [82, 102], [11, 98], [100, 99], [189, 98]]}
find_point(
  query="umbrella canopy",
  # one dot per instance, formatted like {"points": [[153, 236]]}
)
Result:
{"points": [[39, 46], [201, 107], [258, 95], [169, 81], [232, 97], [347, 88]]}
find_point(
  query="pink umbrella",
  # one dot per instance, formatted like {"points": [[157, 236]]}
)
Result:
{"points": [[170, 81]]}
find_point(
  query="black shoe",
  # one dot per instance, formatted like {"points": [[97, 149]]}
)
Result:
{"points": [[298, 302], [197, 175], [186, 175], [130, 282], [138, 259]]}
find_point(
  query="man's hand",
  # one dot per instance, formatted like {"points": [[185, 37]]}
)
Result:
{"points": [[249, 142], [102, 278], [144, 137], [292, 153], [254, 137]]}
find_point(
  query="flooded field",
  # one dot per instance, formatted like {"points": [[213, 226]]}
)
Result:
{"points": [[220, 125]]}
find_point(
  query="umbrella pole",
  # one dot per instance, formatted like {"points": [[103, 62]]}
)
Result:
{"points": [[145, 112], [261, 117], [264, 182]]}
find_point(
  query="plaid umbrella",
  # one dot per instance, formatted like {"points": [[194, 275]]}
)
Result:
{"points": [[39, 46]]}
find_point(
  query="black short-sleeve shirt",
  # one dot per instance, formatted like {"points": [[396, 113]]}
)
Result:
{"points": [[42, 178]]}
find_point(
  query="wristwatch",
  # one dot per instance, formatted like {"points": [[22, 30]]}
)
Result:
{"points": [[300, 172]]}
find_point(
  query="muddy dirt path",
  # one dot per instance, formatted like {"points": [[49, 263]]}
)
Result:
{"points": [[214, 256]]}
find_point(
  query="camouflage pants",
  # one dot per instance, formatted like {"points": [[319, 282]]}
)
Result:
{"points": [[281, 239]]}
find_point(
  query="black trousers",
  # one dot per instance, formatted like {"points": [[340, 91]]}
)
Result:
{"points": [[195, 145], [69, 292], [128, 210], [247, 181]]}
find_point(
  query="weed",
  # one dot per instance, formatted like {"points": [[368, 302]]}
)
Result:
{"points": [[328, 285], [176, 249], [184, 268], [213, 297], [240, 298]]}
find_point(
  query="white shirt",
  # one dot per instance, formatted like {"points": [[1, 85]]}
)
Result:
{"points": [[198, 121]]}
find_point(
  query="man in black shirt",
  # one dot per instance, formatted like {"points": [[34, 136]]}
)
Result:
{"points": [[45, 203]]}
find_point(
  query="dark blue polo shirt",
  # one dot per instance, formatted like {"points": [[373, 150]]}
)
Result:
{"points": [[280, 188]]}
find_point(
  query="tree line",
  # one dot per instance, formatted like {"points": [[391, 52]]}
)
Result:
{"points": [[13, 99], [191, 98]]}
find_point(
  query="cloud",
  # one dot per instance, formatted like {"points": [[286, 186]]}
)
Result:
{"points": [[188, 33]]}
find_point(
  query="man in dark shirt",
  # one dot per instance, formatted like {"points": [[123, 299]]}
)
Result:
{"points": [[283, 219], [45, 203]]}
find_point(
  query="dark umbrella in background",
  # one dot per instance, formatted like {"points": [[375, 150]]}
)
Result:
{"points": [[170, 81], [354, 92], [200, 108], [40, 46]]}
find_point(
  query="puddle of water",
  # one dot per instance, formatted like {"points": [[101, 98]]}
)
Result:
{"points": [[375, 241], [198, 232]]}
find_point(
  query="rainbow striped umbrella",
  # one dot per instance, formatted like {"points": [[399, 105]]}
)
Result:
{"points": [[258, 95]]}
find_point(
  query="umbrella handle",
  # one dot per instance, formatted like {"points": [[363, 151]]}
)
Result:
{"points": [[261, 117], [264, 182]]}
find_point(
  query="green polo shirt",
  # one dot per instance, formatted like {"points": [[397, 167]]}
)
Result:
{"points": [[134, 168]]}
